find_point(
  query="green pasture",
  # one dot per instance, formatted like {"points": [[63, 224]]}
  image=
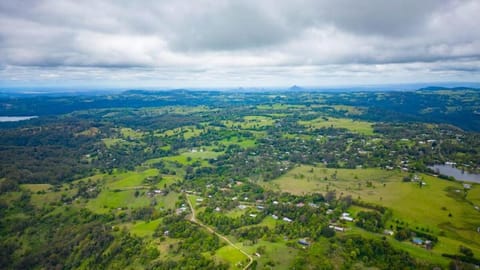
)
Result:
{"points": [[242, 142], [186, 132], [276, 253], [351, 110], [439, 205], [145, 228], [250, 122], [232, 256], [36, 187], [129, 133], [109, 200], [188, 158], [198, 154], [130, 179], [111, 142], [278, 106], [361, 127]]}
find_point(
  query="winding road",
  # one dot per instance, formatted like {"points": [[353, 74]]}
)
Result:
{"points": [[194, 220]]}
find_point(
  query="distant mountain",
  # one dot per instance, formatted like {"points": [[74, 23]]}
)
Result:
{"points": [[296, 88], [438, 88]]}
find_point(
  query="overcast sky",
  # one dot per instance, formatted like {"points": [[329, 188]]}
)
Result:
{"points": [[197, 43]]}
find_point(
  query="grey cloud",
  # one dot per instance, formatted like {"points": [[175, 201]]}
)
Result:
{"points": [[238, 37]]}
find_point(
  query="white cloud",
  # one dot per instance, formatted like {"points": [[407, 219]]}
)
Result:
{"points": [[208, 43]]}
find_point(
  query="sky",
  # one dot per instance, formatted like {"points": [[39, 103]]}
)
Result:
{"points": [[222, 43]]}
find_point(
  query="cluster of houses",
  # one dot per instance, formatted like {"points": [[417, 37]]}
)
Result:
{"points": [[156, 192], [421, 242]]}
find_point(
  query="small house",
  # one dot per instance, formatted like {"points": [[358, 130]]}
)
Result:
{"points": [[304, 242], [417, 241], [337, 228], [287, 219], [388, 232], [346, 218]]}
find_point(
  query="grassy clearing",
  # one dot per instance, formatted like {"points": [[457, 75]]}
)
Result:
{"points": [[36, 187], [110, 200], [242, 142], [202, 154], [308, 179], [111, 142], [250, 122], [473, 195], [278, 106], [439, 205], [186, 132], [232, 256], [130, 179], [278, 254], [145, 228], [168, 201], [129, 133], [186, 159], [89, 132], [361, 127], [351, 110], [237, 212]]}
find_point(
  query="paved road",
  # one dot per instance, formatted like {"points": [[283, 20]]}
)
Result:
{"points": [[194, 220]]}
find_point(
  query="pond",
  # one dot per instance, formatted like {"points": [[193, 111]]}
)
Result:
{"points": [[450, 170], [15, 118]]}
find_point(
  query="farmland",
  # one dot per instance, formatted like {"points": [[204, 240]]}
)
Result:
{"points": [[264, 180]]}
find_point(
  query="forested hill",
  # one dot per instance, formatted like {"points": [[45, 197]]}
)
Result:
{"points": [[456, 106]]}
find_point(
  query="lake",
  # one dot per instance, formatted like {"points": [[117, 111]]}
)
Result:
{"points": [[450, 170], [15, 118]]}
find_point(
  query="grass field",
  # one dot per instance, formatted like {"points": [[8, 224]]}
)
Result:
{"points": [[426, 207], [242, 142], [277, 254], [278, 106], [186, 132], [129, 133], [130, 179], [36, 187], [109, 200], [189, 158], [250, 122], [110, 142], [145, 228], [232, 256], [361, 127]]}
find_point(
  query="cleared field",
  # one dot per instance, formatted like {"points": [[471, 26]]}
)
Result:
{"points": [[129, 133], [145, 228], [202, 154], [188, 159], [361, 127], [109, 200], [232, 256], [250, 122], [185, 132], [272, 255], [308, 179], [439, 205], [351, 110], [278, 106], [130, 179], [36, 187], [242, 142], [110, 142]]}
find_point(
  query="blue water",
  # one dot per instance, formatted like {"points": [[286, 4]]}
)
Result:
{"points": [[449, 170], [15, 118]]}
